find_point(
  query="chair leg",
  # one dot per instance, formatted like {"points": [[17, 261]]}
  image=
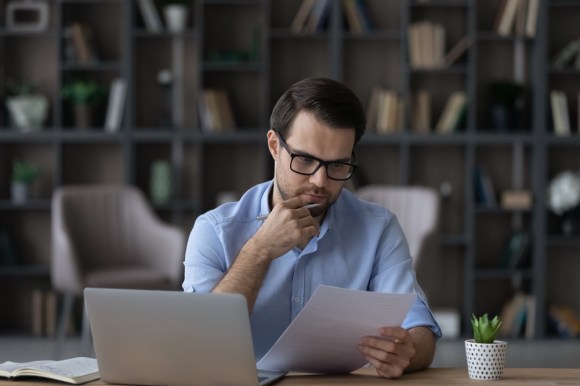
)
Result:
{"points": [[86, 338], [63, 323]]}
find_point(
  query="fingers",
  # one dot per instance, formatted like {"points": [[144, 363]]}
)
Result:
{"points": [[391, 353]]}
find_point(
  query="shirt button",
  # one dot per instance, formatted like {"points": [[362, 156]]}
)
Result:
{"points": [[297, 299]]}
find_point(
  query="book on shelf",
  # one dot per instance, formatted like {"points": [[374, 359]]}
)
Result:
{"points": [[318, 16], [426, 45], [483, 187], [506, 17], [532, 18], [518, 316], [311, 16], [564, 321], [421, 112], [453, 113], [372, 110], [299, 21], [150, 15], [457, 51], [560, 114], [44, 312], [357, 16], [74, 370], [566, 55], [353, 18], [116, 105], [516, 199], [7, 256], [385, 111], [516, 250], [215, 110], [83, 43]]}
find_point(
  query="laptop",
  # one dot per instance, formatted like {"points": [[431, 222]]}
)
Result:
{"points": [[147, 337]]}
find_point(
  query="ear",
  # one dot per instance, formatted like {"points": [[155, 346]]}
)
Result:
{"points": [[273, 144]]}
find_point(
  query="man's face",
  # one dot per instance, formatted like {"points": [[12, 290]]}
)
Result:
{"points": [[309, 137]]}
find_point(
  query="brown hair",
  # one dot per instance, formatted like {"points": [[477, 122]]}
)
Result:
{"points": [[330, 101]]}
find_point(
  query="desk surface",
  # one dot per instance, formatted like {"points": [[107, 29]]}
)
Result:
{"points": [[433, 376]]}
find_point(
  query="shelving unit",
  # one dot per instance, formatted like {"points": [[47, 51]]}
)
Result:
{"points": [[267, 58]]}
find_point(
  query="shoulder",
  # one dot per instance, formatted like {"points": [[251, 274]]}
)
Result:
{"points": [[352, 205], [244, 210]]}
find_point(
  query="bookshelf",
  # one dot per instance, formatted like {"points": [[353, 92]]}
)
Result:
{"points": [[248, 49]]}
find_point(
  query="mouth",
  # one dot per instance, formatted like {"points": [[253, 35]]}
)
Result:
{"points": [[314, 199]]}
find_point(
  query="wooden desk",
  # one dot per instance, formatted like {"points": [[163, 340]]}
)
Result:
{"points": [[434, 376], [442, 376]]}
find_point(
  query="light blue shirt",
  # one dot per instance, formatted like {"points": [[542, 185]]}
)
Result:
{"points": [[361, 246]]}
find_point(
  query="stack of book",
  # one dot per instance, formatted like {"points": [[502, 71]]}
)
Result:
{"points": [[385, 112], [426, 45]]}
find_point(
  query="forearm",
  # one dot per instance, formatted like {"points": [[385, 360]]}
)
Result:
{"points": [[424, 343], [246, 274]]}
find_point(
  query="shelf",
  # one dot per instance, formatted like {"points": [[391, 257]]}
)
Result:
{"points": [[207, 163], [22, 271]]}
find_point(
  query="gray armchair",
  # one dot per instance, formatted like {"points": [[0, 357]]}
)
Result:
{"points": [[108, 236], [417, 209]]}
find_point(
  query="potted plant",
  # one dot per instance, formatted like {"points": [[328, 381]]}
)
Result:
{"points": [[23, 174], [176, 13], [84, 96], [485, 354]]}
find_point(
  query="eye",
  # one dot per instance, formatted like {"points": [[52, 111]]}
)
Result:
{"points": [[338, 166], [305, 160]]}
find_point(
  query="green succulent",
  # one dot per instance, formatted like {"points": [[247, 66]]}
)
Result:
{"points": [[24, 172], [81, 92], [484, 329]]}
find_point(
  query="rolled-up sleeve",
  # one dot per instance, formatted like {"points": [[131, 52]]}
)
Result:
{"points": [[204, 261]]}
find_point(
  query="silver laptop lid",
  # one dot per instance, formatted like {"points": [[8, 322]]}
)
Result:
{"points": [[171, 338]]}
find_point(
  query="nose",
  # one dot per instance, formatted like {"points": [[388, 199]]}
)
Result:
{"points": [[319, 178]]}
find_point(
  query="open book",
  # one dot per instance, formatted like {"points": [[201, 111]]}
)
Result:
{"points": [[75, 370]]}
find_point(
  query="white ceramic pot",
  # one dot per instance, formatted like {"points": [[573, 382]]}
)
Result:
{"points": [[175, 17], [19, 192], [485, 361]]}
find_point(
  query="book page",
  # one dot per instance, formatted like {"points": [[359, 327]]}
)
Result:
{"points": [[323, 338], [74, 370]]}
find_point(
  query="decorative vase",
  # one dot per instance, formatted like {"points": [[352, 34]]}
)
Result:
{"points": [[160, 182], [27, 112], [19, 192], [485, 361], [83, 115], [175, 17]]}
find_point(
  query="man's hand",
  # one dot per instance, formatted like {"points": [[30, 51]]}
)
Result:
{"points": [[390, 353], [288, 225], [397, 351]]}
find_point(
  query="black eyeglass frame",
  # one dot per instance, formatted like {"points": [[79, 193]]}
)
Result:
{"points": [[293, 155]]}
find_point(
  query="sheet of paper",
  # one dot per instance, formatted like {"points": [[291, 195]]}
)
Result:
{"points": [[323, 338]]}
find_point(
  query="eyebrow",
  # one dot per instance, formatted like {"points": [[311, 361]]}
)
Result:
{"points": [[301, 153]]}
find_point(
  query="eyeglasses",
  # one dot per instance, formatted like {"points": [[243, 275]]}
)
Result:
{"points": [[308, 165]]}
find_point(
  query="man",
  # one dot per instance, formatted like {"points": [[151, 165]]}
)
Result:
{"points": [[315, 232]]}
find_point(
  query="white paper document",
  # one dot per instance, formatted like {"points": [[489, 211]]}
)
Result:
{"points": [[323, 338]]}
